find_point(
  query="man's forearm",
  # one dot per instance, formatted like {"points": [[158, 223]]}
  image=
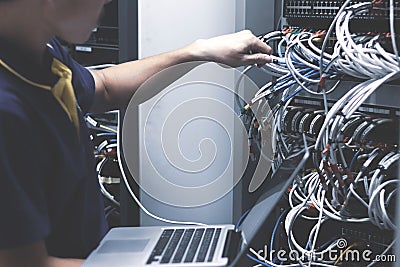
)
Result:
{"points": [[58, 262], [120, 82]]}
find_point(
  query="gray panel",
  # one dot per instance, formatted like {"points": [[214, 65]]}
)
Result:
{"points": [[397, 245], [260, 16], [127, 27], [383, 96]]}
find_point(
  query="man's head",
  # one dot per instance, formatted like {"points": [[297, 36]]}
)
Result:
{"points": [[72, 20]]}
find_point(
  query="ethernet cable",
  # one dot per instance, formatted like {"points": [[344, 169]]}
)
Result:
{"points": [[135, 198]]}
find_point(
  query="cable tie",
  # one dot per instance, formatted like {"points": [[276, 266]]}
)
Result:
{"points": [[326, 149], [92, 122], [321, 83]]}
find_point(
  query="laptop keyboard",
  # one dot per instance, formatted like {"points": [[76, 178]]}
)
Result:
{"points": [[185, 246]]}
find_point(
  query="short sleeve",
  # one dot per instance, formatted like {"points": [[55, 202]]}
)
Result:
{"points": [[82, 79], [24, 217]]}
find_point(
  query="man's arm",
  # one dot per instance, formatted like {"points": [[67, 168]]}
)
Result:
{"points": [[116, 85], [34, 255]]}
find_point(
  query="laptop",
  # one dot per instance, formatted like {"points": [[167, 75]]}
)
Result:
{"points": [[211, 245]]}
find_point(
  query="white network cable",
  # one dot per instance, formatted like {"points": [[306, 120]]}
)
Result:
{"points": [[135, 198]]}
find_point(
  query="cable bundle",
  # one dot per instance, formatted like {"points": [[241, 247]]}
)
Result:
{"points": [[104, 136], [353, 174]]}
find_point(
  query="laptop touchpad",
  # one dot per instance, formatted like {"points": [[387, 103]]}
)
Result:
{"points": [[123, 246]]}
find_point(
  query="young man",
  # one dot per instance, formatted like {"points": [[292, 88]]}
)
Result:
{"points": [[52, 213]]}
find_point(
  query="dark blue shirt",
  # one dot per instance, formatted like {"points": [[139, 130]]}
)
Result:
{"points": [[48, 185]]}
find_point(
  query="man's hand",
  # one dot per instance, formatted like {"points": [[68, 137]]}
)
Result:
{"points": [[237, 49]]}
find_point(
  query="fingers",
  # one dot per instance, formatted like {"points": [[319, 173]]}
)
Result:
{"points": [[237, 49], [256, 45], [259, 59], [260, 47], [259, 51]]}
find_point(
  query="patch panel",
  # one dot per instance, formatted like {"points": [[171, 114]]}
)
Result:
{"points": [[329, 9], [321, 13]]}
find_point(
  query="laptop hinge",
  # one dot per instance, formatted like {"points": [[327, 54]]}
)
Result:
{"points": [[233, 244]]}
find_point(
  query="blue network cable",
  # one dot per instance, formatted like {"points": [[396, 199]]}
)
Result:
{"points": [[239, 222], [274, 231], [286, 85], [299, 89], [283, 87], [285, 77], [354, 158], [323, 246], [106, 134]]}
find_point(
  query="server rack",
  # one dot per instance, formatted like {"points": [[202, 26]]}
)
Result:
{"points": [[305, 109]]}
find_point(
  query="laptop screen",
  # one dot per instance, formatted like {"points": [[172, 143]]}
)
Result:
{"points": [[274, 189]]}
